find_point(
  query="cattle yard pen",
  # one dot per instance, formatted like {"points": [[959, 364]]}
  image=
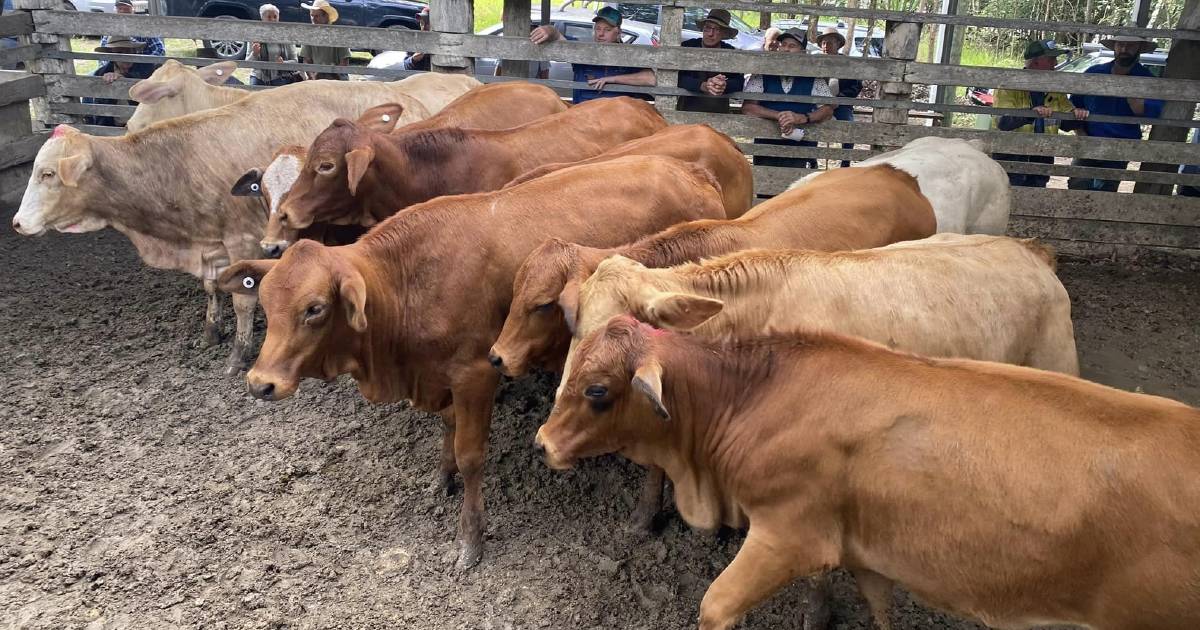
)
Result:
{"points": [[1074, 221]]}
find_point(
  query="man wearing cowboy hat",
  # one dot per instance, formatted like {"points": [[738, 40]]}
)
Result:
{"points": [[1126, 50], [321, 12], [606, 29], [710, 85], [791, 116], [1039, 55], [112, 70], [832, 42]]}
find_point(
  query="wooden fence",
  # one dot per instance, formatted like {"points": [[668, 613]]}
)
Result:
{"points": [[1075, 221]]}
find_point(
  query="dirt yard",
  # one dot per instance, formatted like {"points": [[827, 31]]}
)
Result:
{"points": [[142, 489]]}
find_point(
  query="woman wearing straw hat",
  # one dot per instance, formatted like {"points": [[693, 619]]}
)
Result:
{"points": [[1126, 50], [710, 85], [832, 42], [321, 12]]}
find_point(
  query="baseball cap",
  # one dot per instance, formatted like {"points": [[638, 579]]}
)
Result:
{"points": [[794, 33], [608, 14], [1043, 48]]}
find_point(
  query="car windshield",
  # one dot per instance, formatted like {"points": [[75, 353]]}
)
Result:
{"points": [[691, 16]]}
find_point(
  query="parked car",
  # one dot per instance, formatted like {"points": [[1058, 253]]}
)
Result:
{"points": [[1155, 61], [377, 13]]}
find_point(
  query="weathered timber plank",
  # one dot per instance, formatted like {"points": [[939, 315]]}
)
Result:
{"points": [[13, 24], [1114, 251], [22, 150], [1106, 206], [100, 130], [12, 185], [94, 109], [991, 141], [1063, 170], [1154, 235], [19, 86], [1074, 82], [19, 54], [934, 18]]}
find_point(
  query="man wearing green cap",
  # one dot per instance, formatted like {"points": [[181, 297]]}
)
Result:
{"points": [[606, 29], [1039, 55]]}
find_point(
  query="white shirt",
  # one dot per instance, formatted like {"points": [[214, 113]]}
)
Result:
{"points": [[820, 87]]}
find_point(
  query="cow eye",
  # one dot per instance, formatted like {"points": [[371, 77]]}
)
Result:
{"points": [[596, 392], [325, 168], [314, 311], [542, 308], [47, 174]]}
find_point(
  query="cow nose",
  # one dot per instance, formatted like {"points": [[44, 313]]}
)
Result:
{"points": [[16, 225], [495, 360], [265, 391], [538, 446], [274, 250]]}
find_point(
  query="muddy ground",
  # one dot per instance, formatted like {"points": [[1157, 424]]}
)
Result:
{"points": [[140, 488]]}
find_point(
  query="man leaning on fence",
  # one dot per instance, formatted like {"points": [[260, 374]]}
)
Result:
{"points": [[1039, 55], [321, 12], [791, 116], [606, 29], [708, 86], [1126, 50]]}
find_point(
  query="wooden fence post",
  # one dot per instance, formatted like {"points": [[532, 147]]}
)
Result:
{"points": [[1183, 62], [49, 69], [901, 41], [517, 22], [452, 16], [670, 34]]}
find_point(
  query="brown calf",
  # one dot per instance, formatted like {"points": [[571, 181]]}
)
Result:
{"points": [[410, 309], [699, 144], [1010, 495], [355, 175]]}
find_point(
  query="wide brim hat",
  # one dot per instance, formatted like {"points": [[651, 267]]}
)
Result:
{"points": [[121, 44], [721, 18], [831, 31], [1146, 45], [323, 5]]}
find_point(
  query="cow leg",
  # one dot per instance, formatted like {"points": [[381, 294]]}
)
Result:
{"points": [[243, 306], [878, 592], [816, 597], [212, 315], [650, 502], [443, 480], [760, 568], [474, 393]]}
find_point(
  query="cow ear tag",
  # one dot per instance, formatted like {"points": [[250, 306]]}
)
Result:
{"points": [[248, 282], [253, 188], [387, 118], [221, 73]]}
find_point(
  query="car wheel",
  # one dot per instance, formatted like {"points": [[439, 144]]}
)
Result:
{"points": [[226, 49]]}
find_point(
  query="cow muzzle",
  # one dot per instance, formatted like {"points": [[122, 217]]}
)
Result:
{"points": [[551, 455], [25, 231], [268, 388], [504, 366], [273, 249]]}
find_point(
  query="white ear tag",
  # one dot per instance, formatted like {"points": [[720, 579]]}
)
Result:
{"points": [[248, 282], [220, 72], [253, 187], [387, 118]]}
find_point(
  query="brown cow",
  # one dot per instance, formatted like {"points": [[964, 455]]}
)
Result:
{"points": [[699, 144], [1010, 495], [409, 321], [354, 175], [494, 106]]}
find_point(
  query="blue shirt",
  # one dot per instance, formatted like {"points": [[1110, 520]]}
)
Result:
{"points": [[1115, 106], [584, 72]]}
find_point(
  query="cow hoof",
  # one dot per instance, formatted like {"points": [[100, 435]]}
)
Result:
{"points": [[212, 337], [443, 484], [469, 555], [641, 523]]}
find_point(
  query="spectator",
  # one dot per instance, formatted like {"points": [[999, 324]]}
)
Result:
{"points": [[1039, 55], [606, 29], [113, 70], [791, 116], [711, 85], [277, 53], [771, 39], [1193, 169], [1126, 50], [154, 45], [831, 43], [417, 60], [321, 12]]}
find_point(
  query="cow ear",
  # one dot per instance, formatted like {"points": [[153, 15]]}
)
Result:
{"points": [[353, 291], [648, 380], [357, 162], [151, 91], [244, 276], [568, 301], [381, 118], [72, 167], [217, 73], [680, 311], [248, 185]]}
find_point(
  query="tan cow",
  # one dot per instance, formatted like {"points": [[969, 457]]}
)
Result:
{"points": [[357, 175], [176, 90], [166, 187], [410, 309], [1013, 496], [494, 106], [699, 144], [990, 298]]}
